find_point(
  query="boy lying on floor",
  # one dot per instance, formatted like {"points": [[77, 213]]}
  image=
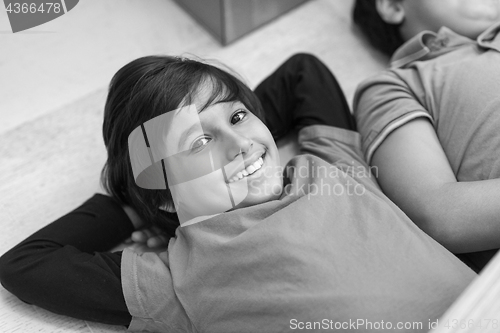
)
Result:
{"points": [[316, 245], [430, 123]]}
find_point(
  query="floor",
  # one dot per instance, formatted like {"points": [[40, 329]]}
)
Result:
{"points": [[53, 82], [52, 65]]}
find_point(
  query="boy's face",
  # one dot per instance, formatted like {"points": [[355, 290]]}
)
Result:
{"points": [[222, 158], [466, 17]]}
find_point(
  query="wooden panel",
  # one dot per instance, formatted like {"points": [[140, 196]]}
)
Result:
{"points": [[228, 20], [208, 13], [242, 16]]}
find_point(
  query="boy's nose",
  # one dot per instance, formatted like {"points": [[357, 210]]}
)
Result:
{"points": [[238, 144]]}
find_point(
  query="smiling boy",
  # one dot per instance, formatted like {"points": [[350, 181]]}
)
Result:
{"points": [[308, 253]]}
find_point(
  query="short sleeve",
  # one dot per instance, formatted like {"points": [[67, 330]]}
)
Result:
{"points": [[384, 103], [149, 293]]}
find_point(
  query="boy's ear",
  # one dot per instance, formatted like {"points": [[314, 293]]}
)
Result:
{"points": [[391, 11]]}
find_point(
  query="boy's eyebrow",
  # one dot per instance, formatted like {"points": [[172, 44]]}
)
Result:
{"points": [[185, 135]]}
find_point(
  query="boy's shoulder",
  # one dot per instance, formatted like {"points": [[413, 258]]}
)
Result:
{"points": [[429, 45]]}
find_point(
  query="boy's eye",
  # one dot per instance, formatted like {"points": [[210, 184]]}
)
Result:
{"points": [[238, 116], [200, 143]]}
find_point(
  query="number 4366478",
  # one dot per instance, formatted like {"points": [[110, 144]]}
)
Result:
{"points": [[25, 8]]}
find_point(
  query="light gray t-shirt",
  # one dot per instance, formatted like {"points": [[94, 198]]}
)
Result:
{"points": [[332, 253]]}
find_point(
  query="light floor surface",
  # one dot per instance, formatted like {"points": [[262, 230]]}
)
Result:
{"points": [[53, 82]]}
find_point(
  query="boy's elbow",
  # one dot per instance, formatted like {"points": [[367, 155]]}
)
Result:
{"points": [[441, 229], [11, 273], [443, 236], [6, 271]]}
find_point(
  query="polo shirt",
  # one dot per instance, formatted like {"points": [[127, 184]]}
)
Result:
{"points": [[449, 79], [454, 82]]}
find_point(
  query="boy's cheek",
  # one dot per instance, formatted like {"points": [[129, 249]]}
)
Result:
{"points": [[270, 188]]}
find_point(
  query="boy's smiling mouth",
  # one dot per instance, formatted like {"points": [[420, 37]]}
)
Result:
{"points": [[249, 170]]}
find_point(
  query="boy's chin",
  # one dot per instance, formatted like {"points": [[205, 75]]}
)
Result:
{"points": [[257, 199]]}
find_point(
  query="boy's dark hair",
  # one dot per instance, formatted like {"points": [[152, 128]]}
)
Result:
{"points": [[383, 36], [146, 88]]}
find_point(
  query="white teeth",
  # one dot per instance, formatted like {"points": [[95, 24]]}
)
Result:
{"points": [[248, 171]]}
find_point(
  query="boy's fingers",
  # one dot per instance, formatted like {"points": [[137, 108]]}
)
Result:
{"points": [[151, 237], [139, 236], [157, 241], [154, 242]]}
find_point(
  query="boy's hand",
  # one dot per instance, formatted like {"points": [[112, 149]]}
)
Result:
{"points": [[145, 237], [151, 237]]}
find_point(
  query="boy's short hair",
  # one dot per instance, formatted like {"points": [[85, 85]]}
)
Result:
{"points": [[142, 90], [383, 36]]}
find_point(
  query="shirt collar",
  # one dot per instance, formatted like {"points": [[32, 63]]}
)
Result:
{"points": [[428, 44], [490, 38]]}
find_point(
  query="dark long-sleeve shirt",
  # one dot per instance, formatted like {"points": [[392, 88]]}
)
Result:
{"points": [[66, 260]]}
